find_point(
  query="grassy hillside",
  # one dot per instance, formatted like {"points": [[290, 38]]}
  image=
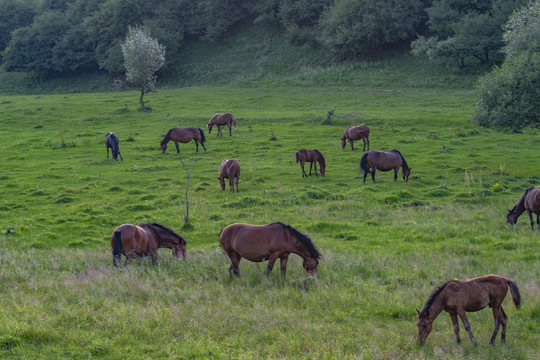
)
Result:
{"points": [[384, 245]]}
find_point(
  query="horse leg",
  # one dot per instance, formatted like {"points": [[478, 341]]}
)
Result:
{"points": [[219, 131], [235, 260], [121, 158], [237, 178], [364, 144], [177, 148], [283, 262], [196, 146], [153, 255], [529, 212], [315, 164], [351, 142], [538, 221], [466, 325], [303, 171], [497, 323], [455, 324], [271, 262], [367, 138], [107, 152], [310, 167], [230, 126], [231, 183], [204, 147], [373, 172], [395, 173], [504, 321]]}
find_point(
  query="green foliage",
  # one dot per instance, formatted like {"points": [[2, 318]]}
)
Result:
{"points": [[463, 30], [14, 14], [355, 28], [509, 96]]}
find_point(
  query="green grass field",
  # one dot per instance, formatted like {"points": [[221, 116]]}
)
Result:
{"points": [[384, 245]]}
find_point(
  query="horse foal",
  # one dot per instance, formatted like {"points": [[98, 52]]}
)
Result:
{"points": [[229, 169]]}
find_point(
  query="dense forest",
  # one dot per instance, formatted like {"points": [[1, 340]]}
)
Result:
{"points": [[59, 36]]}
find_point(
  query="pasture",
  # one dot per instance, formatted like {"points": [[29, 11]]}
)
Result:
{"points": [[384, 245]]}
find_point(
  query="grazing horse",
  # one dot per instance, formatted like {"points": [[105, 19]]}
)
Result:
{"points": [[355, 133], [384, 161], [222, 119], [311, 156], [457, 297], [268, 242], [143, 240], [111, 141], [530, 201], [229, 169], [183, 135]]}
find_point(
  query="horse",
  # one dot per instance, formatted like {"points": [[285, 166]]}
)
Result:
{"points": [[184, 135], [457, 297], [530, 201], [311, 156], [229, 169], [355, 133], [268, 242], [384, 161], [111, 141], [222, 119], [141, 240]]}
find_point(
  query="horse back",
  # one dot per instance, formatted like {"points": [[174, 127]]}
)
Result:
{"points": [[184, 135], [255, 242], [356, 132], [475, 294], [230, 168]]}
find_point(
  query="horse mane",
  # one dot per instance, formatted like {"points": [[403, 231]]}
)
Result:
{"points": [[304, 240], [405, 165], [322, 160], [167, 137], [431, 298], [522, 199], [167, 230]]}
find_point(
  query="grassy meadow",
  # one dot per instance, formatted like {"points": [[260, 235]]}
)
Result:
{"points": [[385, 245]]}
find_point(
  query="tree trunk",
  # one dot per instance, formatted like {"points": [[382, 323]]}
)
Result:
{"points": [[141, 98]]}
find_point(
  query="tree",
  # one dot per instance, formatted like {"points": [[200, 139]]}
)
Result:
{"points": [[464, 29], [354, 28], [143, 57], [509, 96]]}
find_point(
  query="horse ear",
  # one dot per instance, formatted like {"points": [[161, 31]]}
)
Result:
{"points": [[417, 312], [509, 210]]}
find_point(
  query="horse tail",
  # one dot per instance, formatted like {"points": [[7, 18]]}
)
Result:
{"points": [[516, 296], [233, 120], [117, 247], [297, 156], [364, 164], [203, 138]]}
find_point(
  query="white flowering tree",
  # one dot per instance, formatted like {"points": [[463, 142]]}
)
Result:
{"points": [[143, 57]]}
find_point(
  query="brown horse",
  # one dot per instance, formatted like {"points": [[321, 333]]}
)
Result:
{"points": [[267, 242], [143, 240], [184, 135], [384, 161], [112, 142], [530, 201], [229, 169], [457, 297], [355, 133], [311, 156], [222, 119]]}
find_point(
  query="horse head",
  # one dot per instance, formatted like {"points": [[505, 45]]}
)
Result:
{"points": [[406, 173], [222, 182], [511, 218], [210, 127], [343, 142], [425, 325], [310, 264], [163, 147]]}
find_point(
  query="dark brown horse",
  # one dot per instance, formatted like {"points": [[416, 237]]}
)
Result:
{"points": [[267, 242], [355, 133], [384, 161], [143, 240], [311, 156], [229, 169], [530, 201], [184, 135], [227, 119], [112, 142], [457, 297]]}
